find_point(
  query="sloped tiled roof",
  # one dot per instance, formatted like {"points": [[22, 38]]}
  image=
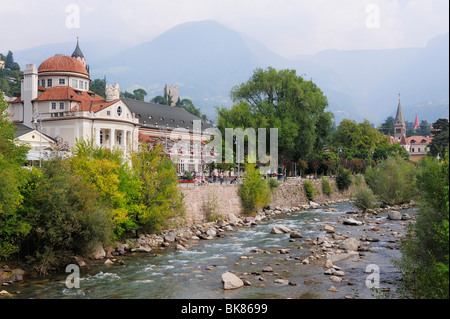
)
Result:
{"points": [[84, 99], [152, 115]]}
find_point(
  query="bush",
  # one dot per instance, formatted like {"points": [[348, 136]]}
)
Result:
{"points": [[364, 198], [392, 180], [326, 188], [425, 251], [65, 216], [273, 183], [343, 179], [254, 191], [309, 190]]}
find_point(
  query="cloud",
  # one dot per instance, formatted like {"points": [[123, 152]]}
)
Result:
{"points": [[288, 27]]}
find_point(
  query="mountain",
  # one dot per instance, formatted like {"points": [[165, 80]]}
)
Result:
{"points": [[206, 59]]}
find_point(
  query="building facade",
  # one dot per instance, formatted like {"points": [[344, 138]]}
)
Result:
{"points": [[56, 100]]}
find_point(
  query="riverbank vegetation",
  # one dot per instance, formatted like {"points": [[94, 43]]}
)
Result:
{"points": [[67, 205]]}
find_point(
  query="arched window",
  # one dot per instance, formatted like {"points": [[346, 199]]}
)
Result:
{"points": [[119, 111]]}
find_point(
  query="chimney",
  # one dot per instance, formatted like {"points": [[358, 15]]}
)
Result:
{"points": [[29, 92]]}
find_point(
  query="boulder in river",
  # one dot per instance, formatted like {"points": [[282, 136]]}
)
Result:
{"points": [[394, 215], [352, 222], [231, 281], [279, 229], [295, 234], [350, 244]]}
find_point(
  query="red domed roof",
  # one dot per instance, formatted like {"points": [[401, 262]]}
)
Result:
{"points": [[62, 63]]}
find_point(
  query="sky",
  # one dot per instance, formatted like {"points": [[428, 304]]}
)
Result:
{"points": [[287, 27]]}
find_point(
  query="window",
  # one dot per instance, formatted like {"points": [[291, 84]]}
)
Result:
{"points": [[49, 83], [74, 84], [43, 83], [53, 105], [108, 112], [85, 85], [119, 138], [101, 137], [119, 111], [62, 81], [61, 105], [81, 84]]}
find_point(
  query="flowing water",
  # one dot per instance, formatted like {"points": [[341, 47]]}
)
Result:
{"points": [[195, 273]]}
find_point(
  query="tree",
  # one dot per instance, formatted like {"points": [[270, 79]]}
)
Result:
{"points": [[282, 100], [254, 190], [98, 86], [13, 226], [387, 126], [160, 199], [357, 140], [392, 180], [440, 139], [160, 100], [425, 250], [140, 94]]}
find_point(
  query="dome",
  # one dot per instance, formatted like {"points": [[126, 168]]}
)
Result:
{"points": [[62, 63]]}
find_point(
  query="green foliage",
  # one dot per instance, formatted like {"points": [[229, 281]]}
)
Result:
{"points": [[159, 197], [64, 213], [439, 144], [273, 183], [254, 191], [392, 180], [282, 100], [210, 209], [364, 198], [343, 179], [357, 140], [310, 190], [98, 86], [13, 227], [326, 188]]}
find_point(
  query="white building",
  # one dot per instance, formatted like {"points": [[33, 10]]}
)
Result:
{"points": [[55, 99]]}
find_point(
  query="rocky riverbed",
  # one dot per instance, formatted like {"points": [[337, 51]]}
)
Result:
{"points": [[309, 251]]}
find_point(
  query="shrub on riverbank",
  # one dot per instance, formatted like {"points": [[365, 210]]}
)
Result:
{"points": [[392, 180], [310, 190], [254, 190], [326, 188], [343, 179], [364, 198], [425, 251]]}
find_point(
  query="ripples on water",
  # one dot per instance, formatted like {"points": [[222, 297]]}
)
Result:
{"points": [[182, 274]]}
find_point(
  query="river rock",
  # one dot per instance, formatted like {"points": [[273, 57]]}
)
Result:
{"points": [[268, 269], [211, 232], [97, 252], [108, 262], [281, 281], [394, 215], [231, 281], [295, 234], [328, 264], [352, 222], [279, 229], [350, 244], [333, 289], [335, 279]]}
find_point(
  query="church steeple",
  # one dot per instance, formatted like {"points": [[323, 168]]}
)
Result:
{"points": [[399, 123], [78, 54]]}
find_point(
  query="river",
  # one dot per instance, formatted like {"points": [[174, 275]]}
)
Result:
{"points": [[195, 273]]}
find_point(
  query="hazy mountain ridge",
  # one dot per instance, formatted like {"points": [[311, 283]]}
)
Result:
{"points": [[207, 59]]}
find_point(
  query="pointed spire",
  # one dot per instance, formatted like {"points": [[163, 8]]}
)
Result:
{"points": [[416, 123], [399, 118], [77, 53]]}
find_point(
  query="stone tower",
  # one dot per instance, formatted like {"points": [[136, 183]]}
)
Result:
{"points": [[399, 123], [171, 94]]}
